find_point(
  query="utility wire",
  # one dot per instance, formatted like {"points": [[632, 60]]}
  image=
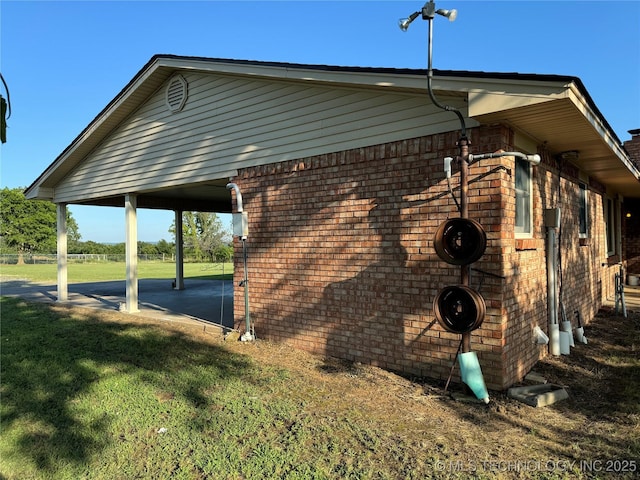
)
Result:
{"points": [[6, 87], [5, 111]]}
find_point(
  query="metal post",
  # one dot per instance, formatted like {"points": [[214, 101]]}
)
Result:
{"points": [[245, 284], [463, 158]]}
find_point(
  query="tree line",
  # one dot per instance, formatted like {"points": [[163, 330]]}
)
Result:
{"points": [[29, 226]]}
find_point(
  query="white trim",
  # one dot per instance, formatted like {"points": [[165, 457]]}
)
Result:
{"points": [[611, 224], [529, 233], [584, 203]]}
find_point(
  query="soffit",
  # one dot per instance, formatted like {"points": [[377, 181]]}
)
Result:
{"points": [[561, 125], [210, 196]]}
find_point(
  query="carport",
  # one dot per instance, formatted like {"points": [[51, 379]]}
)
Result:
{"points": [[135, 154], [211, 197]]}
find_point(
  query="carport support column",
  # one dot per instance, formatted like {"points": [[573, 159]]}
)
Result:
{"points": [[179, 252], [131, 248], [63, 288]]}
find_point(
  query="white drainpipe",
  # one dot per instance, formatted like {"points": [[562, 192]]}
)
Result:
{"points": [[248, 333], [552, 222]]}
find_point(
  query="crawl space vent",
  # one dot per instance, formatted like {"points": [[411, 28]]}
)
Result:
{"points": [[176, 93]]}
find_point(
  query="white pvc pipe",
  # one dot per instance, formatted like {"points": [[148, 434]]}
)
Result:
{"points": [[566, 327], [238, 196], [541, 337], [248, 334], [565, 346], [552, 296], [533, 159]]}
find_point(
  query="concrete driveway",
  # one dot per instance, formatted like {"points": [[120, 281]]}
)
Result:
{"points": [[206, 301]]}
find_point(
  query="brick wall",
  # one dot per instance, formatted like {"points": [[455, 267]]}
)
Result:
{"points": [[341, 258], [631, 218], [586, 273], [631, 227], [633, 146]]}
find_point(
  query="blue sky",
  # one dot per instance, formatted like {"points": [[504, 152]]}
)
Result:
{"points": [[64, 61]]}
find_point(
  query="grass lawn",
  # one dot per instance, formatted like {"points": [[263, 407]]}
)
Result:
{"points": [[92, 395], [95, 272], [99, 394], [104, 395]]}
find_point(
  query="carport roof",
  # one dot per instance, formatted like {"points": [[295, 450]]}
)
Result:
{"points": [[562, 114]]}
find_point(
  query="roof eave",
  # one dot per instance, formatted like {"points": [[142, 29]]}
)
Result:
{"points": [[152, 75]]}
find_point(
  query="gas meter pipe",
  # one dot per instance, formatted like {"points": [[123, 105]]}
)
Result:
{"points": [[248, 334]]}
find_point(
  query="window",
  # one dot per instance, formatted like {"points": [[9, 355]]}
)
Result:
{"points": [[523, 198], [583, 212], [610, 224]]}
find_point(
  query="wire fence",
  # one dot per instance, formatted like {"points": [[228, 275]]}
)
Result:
{"points": [[14, 259]]}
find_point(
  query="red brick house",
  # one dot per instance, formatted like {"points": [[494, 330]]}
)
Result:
{"points": [[342, 176]]}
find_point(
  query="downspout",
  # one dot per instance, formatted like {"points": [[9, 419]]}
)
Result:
{"points": [[248, 334], [552, 222]]}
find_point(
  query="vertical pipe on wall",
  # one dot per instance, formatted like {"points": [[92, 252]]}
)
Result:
{"points": [[463, 146], [63, 288], [241, 230], [552, 292]]}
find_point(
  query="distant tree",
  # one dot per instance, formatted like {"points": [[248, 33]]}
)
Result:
{"points": [[146, 248], [165, 248], [29, 226], [202, 233], [224, 253], [116, 248], [90, 247]]}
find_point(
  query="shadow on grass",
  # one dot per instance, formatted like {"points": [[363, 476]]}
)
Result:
{"points": [[52, 359]]}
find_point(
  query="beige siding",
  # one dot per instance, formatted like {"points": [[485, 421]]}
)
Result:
{"points": [[234, 122]]}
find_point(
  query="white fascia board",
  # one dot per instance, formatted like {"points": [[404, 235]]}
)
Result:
{"points": [[298, 73], [40, 193], [490, 95]]}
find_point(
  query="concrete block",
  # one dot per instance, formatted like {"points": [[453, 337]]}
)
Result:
{"points": [[538, 395]]}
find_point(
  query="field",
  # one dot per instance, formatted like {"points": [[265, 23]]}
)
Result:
{"points": [[104, 395], [104, 271]]}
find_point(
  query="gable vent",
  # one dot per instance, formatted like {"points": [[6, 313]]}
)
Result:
{"points": [[176, 95]]}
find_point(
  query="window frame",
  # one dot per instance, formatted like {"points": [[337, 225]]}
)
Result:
{"points": [[611, 225], [583, 210], [524, 231]]}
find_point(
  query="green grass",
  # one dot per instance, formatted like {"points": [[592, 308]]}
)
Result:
{"points": [[94, 394], [86, 397], [95, 272]]}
